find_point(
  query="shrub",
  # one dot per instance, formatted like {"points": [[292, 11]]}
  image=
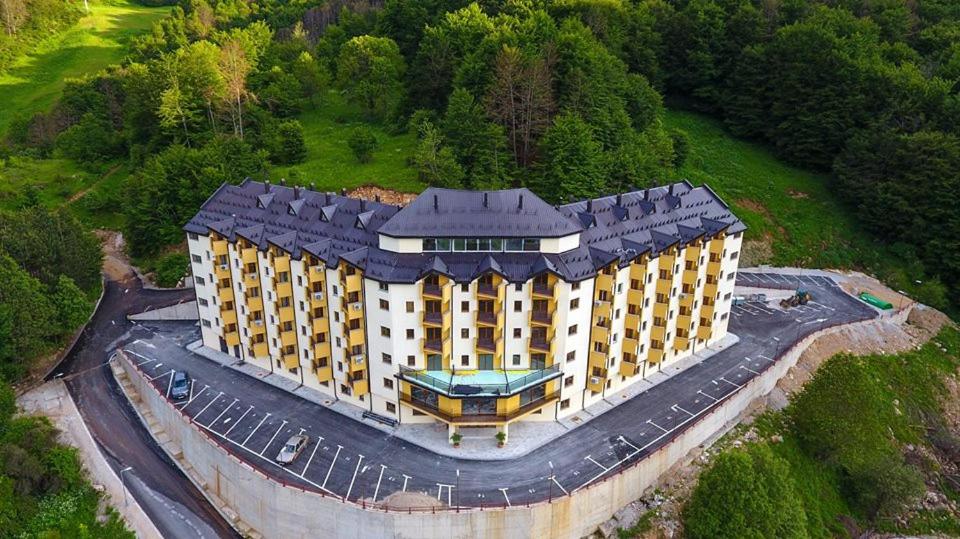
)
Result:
{"points": [[170, 269], [681, 147], [362, 143]]}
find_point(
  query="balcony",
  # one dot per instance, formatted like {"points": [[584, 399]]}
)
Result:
{"points": [[221, 271], [486, 318], [433, 346], [604, 282], [285, 314], [432, 290], [324, 374], [353, 283], [288, 338], [602, 307], [486, 345], [260, 349], [540, 345], [433, 319], [357, 362], [541, 318], [232, 337], [486, 290], [248, 255], [467, 419], [493, 383], [290, 361], [629, 368], [543, 289], [596, 380], [359, 386]]}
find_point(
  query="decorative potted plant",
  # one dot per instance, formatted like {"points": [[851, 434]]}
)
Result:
{"points": [[501, 438], [456, 439]]}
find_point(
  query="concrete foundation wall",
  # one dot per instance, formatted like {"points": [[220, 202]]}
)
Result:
{"points": [[278, 510]]}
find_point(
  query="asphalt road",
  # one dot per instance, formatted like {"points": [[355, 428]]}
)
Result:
{"points": [[355, 461], [171, 501]]}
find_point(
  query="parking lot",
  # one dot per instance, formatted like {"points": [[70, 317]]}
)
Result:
{"points": [[352, 460]]}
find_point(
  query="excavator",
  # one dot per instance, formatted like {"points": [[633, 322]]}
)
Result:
{"points": [[801, 297]]}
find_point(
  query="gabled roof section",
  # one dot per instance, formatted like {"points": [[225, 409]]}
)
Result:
{"points": [[254, 234], [295, 205], [454, 213], [435, 265], [363, 220], [488, 265], [264, 200], [662, 242], [225, 227], [543, 264], [327, 212]]}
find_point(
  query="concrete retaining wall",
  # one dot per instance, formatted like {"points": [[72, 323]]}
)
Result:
{"points": [[278, 510]]}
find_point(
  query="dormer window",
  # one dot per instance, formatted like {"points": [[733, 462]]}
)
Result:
{"points": [[487, 245]]}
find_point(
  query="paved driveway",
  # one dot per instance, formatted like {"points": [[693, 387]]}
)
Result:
{"points": [[355, 461]]}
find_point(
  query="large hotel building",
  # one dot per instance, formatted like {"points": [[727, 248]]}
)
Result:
{"points": [[468, 308]]}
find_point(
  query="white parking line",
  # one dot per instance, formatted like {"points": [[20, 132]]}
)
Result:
{"points": [[169, 386], [377, 490], [676, 407], [193, 398], [405, 479], [161, 375], [208, 405], [748, 369], [238, 421], [555, 482], [504, 491], [284, 424], [440, 487], [658, 426], [225, 410], [738, 386], [624, 440], [312, 453], [330, 469], [355, 470], [255, 429], [708, 396], [590, 458]]}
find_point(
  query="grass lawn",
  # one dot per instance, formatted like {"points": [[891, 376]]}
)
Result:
{"points": [[99, 39], [331, 165]]}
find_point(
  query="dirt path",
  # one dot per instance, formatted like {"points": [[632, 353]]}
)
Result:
{"points": [[83, 192]]}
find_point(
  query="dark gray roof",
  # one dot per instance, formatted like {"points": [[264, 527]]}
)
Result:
{"points": [[612, 229], [453, 213]]}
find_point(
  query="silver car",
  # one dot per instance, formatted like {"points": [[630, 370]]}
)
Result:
{"points": [[292, 449]]}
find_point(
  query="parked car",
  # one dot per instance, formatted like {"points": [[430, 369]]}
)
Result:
{"points": [[181, 386], [292, 449]]}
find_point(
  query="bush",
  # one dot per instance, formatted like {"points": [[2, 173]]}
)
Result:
{"points": [[745, 494], [362, 143], [286, 143], [681, 147], [171, 268]]}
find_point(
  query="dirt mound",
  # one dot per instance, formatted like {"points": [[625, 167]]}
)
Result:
{"points": [[411, 500], [387, 196]]}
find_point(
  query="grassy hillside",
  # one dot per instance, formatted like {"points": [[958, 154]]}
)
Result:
{"points": [[793, 216], [330, 163], [96, 41]]}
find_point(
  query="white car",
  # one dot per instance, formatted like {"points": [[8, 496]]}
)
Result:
{"points": [[292, 449]]}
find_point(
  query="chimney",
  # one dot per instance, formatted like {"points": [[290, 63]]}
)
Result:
{"points": [[326, 198], [313, 186], [590, 206], [296, 192], [376, 198], [363, 205], [520, 206], [619, 199], [436, 202], [485, 195], [343, 191], [266, 186], [646, 194], [283, 182], [670, 189]]}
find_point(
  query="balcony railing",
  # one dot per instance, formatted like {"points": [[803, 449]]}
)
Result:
{"points": [[488, 345], [541, 317], [486, 289], [432, 409], [542, 345], [432, 290], [433, 345], [487, 317], [543, 289], [435, 318], [460, 386]]}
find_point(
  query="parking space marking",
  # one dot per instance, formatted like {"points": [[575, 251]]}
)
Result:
{"points": [[748, 369], [238, 421], [312, 453], [161, 375], [590, 458], [334, 461], [377, 489], [284, 424], [738, 386], [169, 386], [205, 387], [555, 482], [406, 478], [355, 470], [504, 491], [708, 396], [225, 410], [658, 426], [208, 405], [677, 407], [255, 429]]}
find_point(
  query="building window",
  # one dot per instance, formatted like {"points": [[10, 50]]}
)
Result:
{"points": [[575, 286], [516, 359], [193, 236], [384, 287], [564, 404], [464, 306], [572, 330], [572, 355], [568, 381], [517, 333], [391, 407], [465, 287], [384, 331], [517, 306], [409, 333], [384, 305], [411, 361], [574, 303], [199, 280], [206, 323], [388, 383], [464, 360], [409, 306], [196, 258], [465, 333], [387, 358], [202, 302]]}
